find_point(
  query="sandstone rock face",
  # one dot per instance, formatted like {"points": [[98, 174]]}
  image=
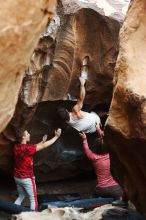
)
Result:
{"points": [[104, 212], [74, 40], [21, 23], [81, 30], [110, 8], [65, 214], [126, 125], [52, 76]]}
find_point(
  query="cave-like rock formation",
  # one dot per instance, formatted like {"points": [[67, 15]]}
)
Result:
{"points": [[126, 125], [21, 23], [77, 37], [53, 73], [110, 8]]}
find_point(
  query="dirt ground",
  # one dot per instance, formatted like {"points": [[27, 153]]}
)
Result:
{"points": [[83, 186]]}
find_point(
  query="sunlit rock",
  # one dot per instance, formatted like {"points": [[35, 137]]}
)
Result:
{"points": [[126, 125], [111, 8], [63, 214], [52, 76], [21, 23], [107, 212]]}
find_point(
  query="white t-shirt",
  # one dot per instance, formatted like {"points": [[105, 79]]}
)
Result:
{"points": [[85, 124]]}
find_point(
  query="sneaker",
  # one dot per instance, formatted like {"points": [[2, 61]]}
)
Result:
{"points": [[85, 61]]}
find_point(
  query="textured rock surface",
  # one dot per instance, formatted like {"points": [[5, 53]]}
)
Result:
{"points": [[78, 35], [106, 212], [21, 23], [53, 72], [64, 214], [126, 125], [83, 32], [110, 8], [76, 38]]}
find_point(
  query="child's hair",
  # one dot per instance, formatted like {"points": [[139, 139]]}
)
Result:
{"points": [[101, 147], [63, 114]]}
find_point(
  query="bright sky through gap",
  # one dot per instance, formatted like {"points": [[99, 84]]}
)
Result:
{"points": [[110, 6]]}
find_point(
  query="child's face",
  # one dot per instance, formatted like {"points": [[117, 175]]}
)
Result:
{"points": [[26, 135]]}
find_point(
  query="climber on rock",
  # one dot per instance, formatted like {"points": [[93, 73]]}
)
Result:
{"points": [[23, 165], [77, 118], [105, 185]]}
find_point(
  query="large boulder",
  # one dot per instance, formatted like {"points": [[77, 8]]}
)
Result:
{"points": [[52, 76], [103, 212], [21, 23], [110, 8], [77, 33], [126, 124]]}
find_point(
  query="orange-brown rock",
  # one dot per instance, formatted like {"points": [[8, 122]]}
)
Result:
{"points": [[85, 32], [53, 72], [21, 23], [103, 212], [126, 125]]}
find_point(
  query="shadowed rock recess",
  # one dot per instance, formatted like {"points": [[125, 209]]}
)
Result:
{"points": [[52, 74], [38, 81], [126, 124]]}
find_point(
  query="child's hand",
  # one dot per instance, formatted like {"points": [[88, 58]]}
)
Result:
{"points": [[99, 131], [44, 138], [58, 132], [83, 135], [97, 125]]}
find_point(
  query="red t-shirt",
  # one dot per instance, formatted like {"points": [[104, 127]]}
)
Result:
{"points": [[23, 160]]}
